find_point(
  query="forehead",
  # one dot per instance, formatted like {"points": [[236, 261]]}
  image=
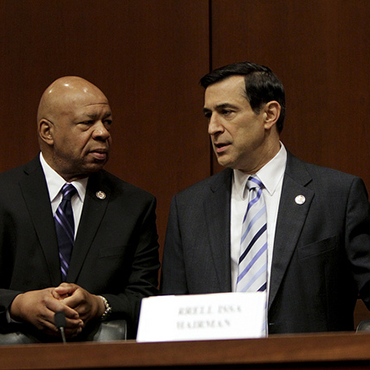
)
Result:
{"points": [[232, 89], [85, 104], [90, 106]]}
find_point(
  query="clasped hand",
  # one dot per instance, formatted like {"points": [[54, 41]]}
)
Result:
{"points": [[38, 308]]}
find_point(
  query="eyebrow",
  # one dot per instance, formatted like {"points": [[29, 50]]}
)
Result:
{"points": [[220, 106], [95, 115]]}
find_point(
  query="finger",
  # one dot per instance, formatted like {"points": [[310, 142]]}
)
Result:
{"points": [[45, 321], [74, 324], [59, 295], [55, 305], [70, 333], [66, 289], [79, 299], [74, 301]]}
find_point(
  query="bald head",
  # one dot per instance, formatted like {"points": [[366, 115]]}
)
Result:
{"points": [[60, 97], [74, 120]]}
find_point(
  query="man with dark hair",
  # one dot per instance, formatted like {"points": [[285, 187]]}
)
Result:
{"points": [[261, 85], [269, 222], [73, 237]]}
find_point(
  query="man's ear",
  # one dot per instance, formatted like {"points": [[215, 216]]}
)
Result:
{"points": [[272, 113], [46, 129]]}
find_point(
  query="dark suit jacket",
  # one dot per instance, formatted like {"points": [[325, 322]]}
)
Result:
{"points": [[115, 252], [321, 257]]}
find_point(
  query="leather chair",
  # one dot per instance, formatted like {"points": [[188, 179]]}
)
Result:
{"points": [[364, 325], [109, 331], [106, 331], [17, 338]]}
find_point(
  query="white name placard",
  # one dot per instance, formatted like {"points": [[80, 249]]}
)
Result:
{"points": [[202, 317]]}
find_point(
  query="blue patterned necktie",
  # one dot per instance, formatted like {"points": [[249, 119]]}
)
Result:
{"points": [[252, 276], [65, 229]]}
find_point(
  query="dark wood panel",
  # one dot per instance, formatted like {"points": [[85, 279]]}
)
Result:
{"points": [[147, 56], [320, 351], [319, 49]]}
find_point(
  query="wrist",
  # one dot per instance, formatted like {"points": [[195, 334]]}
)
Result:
{"points": [[107, 308], [14, 310]]}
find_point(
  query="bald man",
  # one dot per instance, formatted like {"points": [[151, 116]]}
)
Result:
{"points": [[114, 260]]}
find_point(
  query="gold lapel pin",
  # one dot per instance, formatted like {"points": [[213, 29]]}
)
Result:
{"points": [[100, 194]]}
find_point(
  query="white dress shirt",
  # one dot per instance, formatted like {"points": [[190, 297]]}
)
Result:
{"points": [[55, 183], [271, 176]]}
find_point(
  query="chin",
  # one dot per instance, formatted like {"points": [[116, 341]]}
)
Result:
{"points": [[224, 162], [95, 167]]}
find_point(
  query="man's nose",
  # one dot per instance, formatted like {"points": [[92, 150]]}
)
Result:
{"points": [[214, 125], [101, 131]]}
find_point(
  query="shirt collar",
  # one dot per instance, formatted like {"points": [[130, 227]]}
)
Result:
{"points": [[55, 182], [270, 174]]}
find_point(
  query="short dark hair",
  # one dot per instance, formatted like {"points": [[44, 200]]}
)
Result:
{"points": [[261, 85]]}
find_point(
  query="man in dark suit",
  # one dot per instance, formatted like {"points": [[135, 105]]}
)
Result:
{"points": [[114, 261], [318, 226]]}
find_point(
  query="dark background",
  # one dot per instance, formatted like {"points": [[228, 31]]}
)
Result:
{"points": [[148, 56]]}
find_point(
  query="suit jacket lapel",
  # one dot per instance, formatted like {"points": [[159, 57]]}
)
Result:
{"points": [[36, 197], [217, 216], [291, 218], [95, 204]]}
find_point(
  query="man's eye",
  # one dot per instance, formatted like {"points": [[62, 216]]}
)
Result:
{"points": [[107, 124]]}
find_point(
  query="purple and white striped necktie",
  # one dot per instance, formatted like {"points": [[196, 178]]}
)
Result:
{"points": [[65, 230]]}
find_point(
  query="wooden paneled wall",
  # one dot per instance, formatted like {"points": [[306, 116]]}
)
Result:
{"points": [[320, 51], [148, 56]]}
